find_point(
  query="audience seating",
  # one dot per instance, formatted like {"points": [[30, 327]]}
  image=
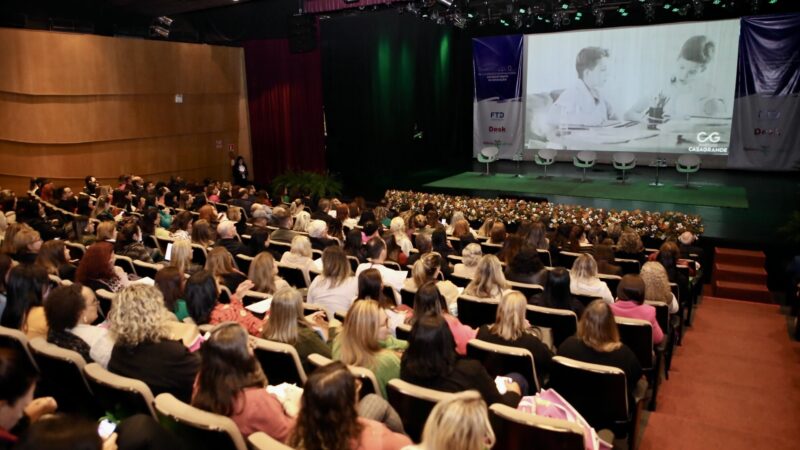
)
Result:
{"points": [[502, 359], [612, 281], [459, 281], [76, 250], [150, 241], [628, 266], [566, 259], [561, 322], [599, 393], [163, 242], [198, 428], [243, 262], [407, 297], [199, 254], [585, 299], [15, 338], [403, 331], [369, 384], [125, 263], [262, 441], [413, 404], [545, 257], [638, 335], [144, 269], [392, 265], [668, 346], [105, 297], [353, 263], [517, 430], [278, 248], [280, 362], [62, 377], [293, 275], [251, 297], [474, 311], [121, 396], [490, 249], [528, 290]]}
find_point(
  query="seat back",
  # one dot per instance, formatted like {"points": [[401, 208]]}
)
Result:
{"points": [[407, 297], [662, 314], [612, 281], [62, 376], [624, 160], [516, 430], [403, 331], [597, 392], [545, 256], [566, 259], [562, 323], [163, 242], [638, 335], [414, 404], [353, 263], [528, 290], [106, 298], [502, 359], [278, 248], [13, 338], [199, 254], [198, 428], [243, 262], [280, 362], [628, 266], [76, 250], [293, 275], [459, 280], [118, 395], [144, 269], [251, 297], [126, 263], [585, 299], [392, 265], [369, 383], [490, 249], [474, 311]]}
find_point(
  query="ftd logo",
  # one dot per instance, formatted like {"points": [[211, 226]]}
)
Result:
{"points": [[497, 129], [497, 115], [708, 137]]}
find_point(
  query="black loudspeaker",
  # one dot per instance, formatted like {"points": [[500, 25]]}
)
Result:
{"points": [[302, 33]]}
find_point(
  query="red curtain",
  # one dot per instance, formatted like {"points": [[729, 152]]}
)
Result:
{"points": [[285, 100]]}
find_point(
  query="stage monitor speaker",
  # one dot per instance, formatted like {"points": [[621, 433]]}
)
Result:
{"points": [[302, 33]]}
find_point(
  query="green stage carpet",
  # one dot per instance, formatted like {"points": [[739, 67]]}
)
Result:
{"points": [[698, 194]]}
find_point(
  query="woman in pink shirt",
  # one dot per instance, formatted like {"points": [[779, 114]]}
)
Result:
{"points": [[328, 418], [430, 300], [630, 304], [231, 383]]}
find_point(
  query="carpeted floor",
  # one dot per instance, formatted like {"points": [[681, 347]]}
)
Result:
{"points": [[705, 194], [734, 384]]}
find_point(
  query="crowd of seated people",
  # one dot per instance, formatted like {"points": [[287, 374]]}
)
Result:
{"points": [[60, 264]]}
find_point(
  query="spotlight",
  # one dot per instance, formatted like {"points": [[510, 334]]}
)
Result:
{"points": [[156, 30], [447, 3], [164, 20]]}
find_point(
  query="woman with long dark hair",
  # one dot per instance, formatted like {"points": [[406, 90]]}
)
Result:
{"points": [[230, 382], [27, 287], [328, 418], [557, 293]]}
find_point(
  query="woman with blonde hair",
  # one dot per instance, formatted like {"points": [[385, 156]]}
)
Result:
{"points": [[428, 268], [397, 228], [360, 342], [301, 221], [336, 288], [656, 285], [584, 280], [203, 233], [220, 263], [512, 329], [489, 281], [486, 227], [300, 256], [288, 325], [598, 342], [181, 257], [460, 422], [470, 257], [630, 246], [264, 274], [143, 350], [107, 231], [27, 243], [230, 382]]}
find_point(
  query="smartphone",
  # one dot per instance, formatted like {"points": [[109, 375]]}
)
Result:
{"points": [[106, 428], [168, 254]]}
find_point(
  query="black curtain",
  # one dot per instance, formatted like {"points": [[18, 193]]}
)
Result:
{"points": [[397, 92]]}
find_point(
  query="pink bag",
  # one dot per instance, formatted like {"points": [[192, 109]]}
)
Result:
{"points": [[548, 403]]}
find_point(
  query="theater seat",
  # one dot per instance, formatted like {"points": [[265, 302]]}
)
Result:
{"points": [[413, 404], [516, 430], [198, 428]]}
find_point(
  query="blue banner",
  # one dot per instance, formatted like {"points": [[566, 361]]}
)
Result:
{"points": [[498, 98], [765, 133]]}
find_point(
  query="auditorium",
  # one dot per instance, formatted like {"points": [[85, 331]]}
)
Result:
{"points": [[493, 224]]}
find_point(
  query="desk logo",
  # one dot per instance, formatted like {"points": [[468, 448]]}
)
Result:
{"points": [[497, 115], [713, 137]]}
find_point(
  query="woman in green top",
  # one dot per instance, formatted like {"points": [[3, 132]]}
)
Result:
{"points": [[286, 324], [365, 341], [171, 281]]}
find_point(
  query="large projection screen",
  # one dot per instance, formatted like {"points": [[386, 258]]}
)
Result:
{"points": [[654, 89]]}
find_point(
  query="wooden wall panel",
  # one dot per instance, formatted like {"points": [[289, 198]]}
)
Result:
{"points": [[73, 105], [74, 119], [42, 62]]}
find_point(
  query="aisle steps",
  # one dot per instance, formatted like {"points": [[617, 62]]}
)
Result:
{"points": [[739, 274]]}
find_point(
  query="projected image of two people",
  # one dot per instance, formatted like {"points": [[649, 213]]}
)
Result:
{"points": [[679, 104]]}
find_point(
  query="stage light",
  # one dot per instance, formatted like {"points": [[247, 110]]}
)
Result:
{"points": [[156, 30], [522, 10], [164, 20], [667, 6], [447, 3], [469, 15]]}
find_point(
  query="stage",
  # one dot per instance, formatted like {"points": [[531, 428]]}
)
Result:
{"points": [[736, 206]]}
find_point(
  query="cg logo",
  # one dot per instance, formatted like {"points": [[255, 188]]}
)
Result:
{"points": [[708, 137]]}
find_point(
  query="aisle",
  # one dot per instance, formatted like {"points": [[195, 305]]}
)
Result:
{"points": [[734, 384]]}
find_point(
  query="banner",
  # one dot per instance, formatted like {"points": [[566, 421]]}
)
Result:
{"points": [[498, 101], [765, 132]]}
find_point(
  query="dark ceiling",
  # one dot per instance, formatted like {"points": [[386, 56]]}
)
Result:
{"points": [[229, 22]]}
